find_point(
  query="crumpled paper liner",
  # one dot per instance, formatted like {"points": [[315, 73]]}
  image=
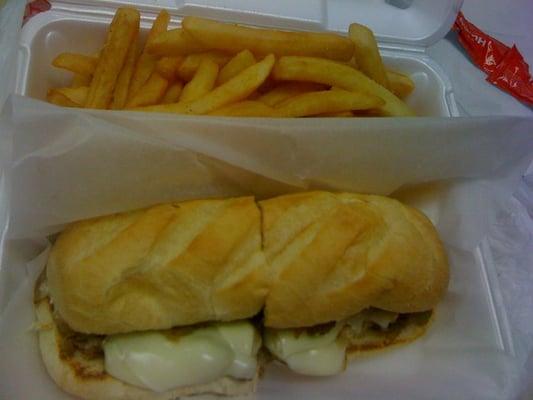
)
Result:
{"points": [[71, 164]]}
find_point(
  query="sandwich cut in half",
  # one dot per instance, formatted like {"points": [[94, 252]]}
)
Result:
{"points": [[153, 304], [197, 296], [348, 273]]}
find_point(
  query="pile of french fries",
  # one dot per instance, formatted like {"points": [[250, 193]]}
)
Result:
{"points": [[207, 67]]}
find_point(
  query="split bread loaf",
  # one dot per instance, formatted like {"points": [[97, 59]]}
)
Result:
{"points": [[305, 259]]}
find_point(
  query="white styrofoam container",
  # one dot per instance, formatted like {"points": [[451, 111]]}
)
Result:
{"points": [[403, 35], [81, 26]]}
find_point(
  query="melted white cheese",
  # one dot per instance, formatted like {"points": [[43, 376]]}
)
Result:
{"points": [[245, 342], [318, 354], [321, 354], [154, 361], [321, 361]]}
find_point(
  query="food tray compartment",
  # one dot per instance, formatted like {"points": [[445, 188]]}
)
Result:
{"points": [[56, 31]]}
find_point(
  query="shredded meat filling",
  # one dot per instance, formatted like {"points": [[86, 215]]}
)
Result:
{"points": [[405, 328], [71, 342]]}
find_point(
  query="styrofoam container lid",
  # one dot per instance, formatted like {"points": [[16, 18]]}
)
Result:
{"points": [[415, 23]]}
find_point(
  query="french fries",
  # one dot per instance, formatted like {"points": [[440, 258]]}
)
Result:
{"points": [[234, 38], [124, 78], [367, 54], [236, 65], [124, 28], [76, 63], [175, 42], [188, 67], [70, 97], [401, 85], [203, 81], [77, 95], [150, 93], [55, 97], [173, 93], [81, 80], [285, 91], [332, 73], [168, 67], [235, 90], [207, 67], [146, 63], [326, 101]]}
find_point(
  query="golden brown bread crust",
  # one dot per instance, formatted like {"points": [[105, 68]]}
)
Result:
{"points": [[328, 256], [71, 373], [333, 255], [169, 265]]}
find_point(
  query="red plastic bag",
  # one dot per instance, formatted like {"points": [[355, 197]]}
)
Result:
{"points": [[504, 66]]}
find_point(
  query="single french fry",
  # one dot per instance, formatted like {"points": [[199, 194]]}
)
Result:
{"points": [[146, 63], [367, 54], [59, 99], [150, 93], [236, 65], [175, 42], [81, 80], [172, 95], [77, 63], [68, 96], [168, 67], [76, 95], [234, 38], [123, 29], [188, 67], [203, 81], [120, 95], [400, 84], [331, 73], [246, 108], [327, 101], [236, 89], [287, 90]]}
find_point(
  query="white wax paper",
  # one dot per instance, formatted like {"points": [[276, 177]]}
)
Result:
{"points": [[70, 164]]}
